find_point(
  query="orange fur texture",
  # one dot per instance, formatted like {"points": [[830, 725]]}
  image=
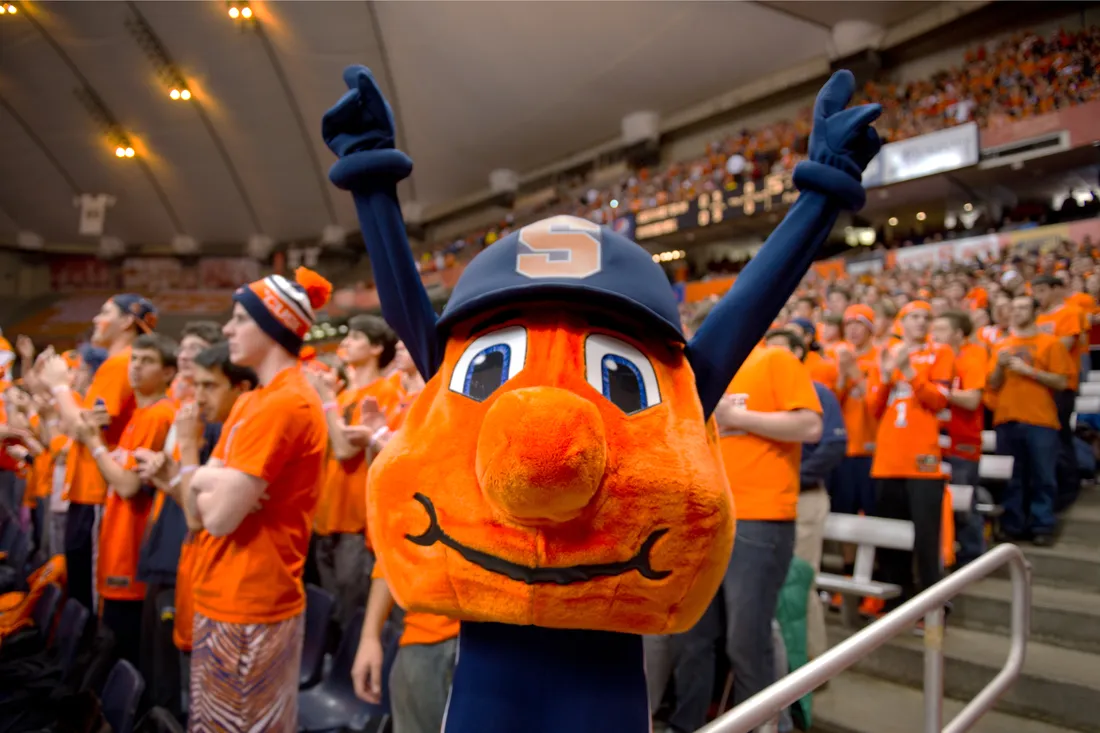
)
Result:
{"points": [[548, 473]]}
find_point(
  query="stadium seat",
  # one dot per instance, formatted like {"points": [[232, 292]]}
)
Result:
{"points": [[70, 630], [1093, 376], [121, 695], [995, 468], [1087, 405], [961, 496], [989, 441], [1089, 389], [332, 704], [45, 610], [319, 603], [866, 533]]}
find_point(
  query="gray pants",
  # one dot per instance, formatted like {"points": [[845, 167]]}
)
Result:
{"points": [[420, 685], [345, 564]]}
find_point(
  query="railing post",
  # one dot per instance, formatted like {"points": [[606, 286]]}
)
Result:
{"points": [[933, 670]]}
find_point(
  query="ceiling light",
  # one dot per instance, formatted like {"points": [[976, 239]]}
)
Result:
{"points": [[129, 152], [968, 207], [246, 12], [656, 258], [921, 216], [892, 221], [234, 12], [614, 203], [185, 94], [120, 152], [8, 8], [174, 94]]}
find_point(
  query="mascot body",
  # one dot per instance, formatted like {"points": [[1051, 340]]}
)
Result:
{"points": [[555, 486]]}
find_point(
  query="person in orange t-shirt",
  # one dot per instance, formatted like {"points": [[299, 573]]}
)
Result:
{"points": [[823, 368], [420, 679], [1070, 324], [195, 337], [852, 490], [109, 402], [908, 391], [129, 499], [769, 410], [1027, 370], [343, 558], [963, 427], [255, 500]]}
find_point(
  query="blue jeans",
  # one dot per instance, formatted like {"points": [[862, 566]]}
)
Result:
{"points": [[969, 528], [689, 659], [1029, 497], [761, 557]]}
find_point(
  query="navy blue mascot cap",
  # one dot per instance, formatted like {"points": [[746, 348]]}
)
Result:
{"points": [[567, 259]]}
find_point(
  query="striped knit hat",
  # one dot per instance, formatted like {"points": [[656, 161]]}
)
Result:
{"points": [[283, 309]]}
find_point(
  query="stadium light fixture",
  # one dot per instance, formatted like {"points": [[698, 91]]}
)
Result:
{"points": [[892, 221], [968, 207], [921, 216], [8, 8]]}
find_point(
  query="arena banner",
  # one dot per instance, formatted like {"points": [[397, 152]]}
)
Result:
{"points": [[1081, 121], [78, 274], [870, 263], [150, 275], [198, 303], [774, 192], [945, 254], [927, 155], [227, 273]]}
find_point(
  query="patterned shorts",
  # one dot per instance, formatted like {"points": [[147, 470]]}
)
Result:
{"points": [[244, 677]]}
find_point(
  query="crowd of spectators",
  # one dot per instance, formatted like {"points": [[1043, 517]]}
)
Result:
{"points": [[1021, 76]]}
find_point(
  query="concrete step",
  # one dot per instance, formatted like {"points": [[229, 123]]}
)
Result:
{"points": [[1081, 526], [1058, 685], [856, 703], [1059, 616], [1066, 565]]}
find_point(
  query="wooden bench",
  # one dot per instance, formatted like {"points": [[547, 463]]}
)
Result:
{"points": [[866, 533]]}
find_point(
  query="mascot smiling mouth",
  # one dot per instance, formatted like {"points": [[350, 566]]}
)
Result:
{"points": [[534, 576]]}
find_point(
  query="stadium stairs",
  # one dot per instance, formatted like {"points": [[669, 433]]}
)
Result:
{"points": [[1059, 689]]}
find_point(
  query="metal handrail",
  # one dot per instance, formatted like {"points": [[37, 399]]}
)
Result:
{"points": [[765, 705]]}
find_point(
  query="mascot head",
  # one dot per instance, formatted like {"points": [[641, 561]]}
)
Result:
{"points": [[557, 470]]}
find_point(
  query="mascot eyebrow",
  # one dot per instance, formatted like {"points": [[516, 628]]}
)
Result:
{"points": [[571, 461], [360, 130]]}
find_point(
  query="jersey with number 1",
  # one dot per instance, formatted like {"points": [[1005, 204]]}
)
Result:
{"points": [[908, 444]]}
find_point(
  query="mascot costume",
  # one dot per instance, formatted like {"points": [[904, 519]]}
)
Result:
{"points": [[555, 487]]}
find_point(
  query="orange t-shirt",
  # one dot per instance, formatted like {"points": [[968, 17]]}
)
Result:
{"points": [[964, 427], [763, 473], [83, 482], [822, 369], [419, 627], [345, 500], [1067, 322], [1022, 399], [908, 443], [991, 335], [861, 423], [184, 621], [254, 575], [122, 529]]}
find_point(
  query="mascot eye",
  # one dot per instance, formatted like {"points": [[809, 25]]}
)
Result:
{"points": [[620, 373], [490, 361]]}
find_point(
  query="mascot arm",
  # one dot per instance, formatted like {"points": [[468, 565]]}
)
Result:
{"points": [[360, 130], [842, 143], [717, 350]]}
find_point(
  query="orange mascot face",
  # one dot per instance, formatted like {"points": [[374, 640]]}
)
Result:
{"points": [[555, 472]]}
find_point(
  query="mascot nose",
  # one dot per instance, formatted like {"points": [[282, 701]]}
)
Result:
{"points": [[541, 454]]}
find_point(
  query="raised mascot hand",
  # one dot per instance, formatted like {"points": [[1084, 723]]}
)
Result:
{"points": [[842, 143], [360, 130]]}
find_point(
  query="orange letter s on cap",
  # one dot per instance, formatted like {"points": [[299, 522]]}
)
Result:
{"points": [[576, 242]]}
